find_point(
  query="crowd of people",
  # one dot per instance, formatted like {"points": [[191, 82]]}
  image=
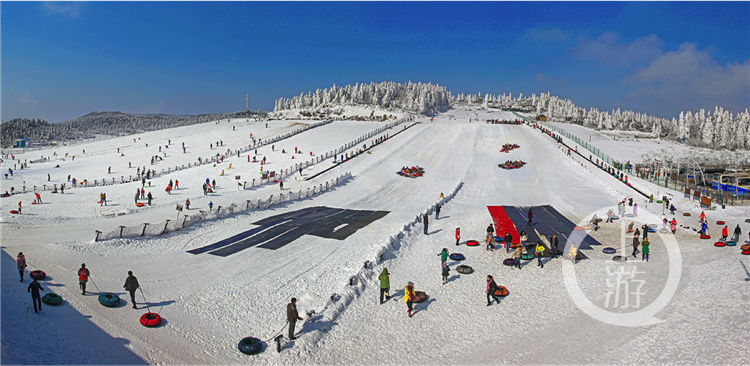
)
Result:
{"points": [[508, 147], [512, 164]]}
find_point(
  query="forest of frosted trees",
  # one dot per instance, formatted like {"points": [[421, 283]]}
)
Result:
{"points": [[105, 123], [720, 129]]}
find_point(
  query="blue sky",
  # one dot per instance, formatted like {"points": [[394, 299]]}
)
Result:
{"points": [[63, 60]]}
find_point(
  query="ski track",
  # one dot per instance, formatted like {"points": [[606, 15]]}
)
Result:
{"points": [[209, 303]]}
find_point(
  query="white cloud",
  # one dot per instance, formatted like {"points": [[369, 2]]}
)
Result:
{"points": [[71, 9], [611, 53], [690, 76]]}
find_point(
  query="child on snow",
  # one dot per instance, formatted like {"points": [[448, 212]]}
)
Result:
{"points": [[446, 272], [443, 256]]}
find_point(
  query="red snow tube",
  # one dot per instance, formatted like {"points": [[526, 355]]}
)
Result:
{"points": [[13, 211], [720, 244], [138, 204], [38, 275], [33, 202], [705, 236], [745, 246], [501, 291], [509, 262], [720, 222], [686, 214], [150, 319], [515, 245], [472, 243], [578, 228], [746, 252]]}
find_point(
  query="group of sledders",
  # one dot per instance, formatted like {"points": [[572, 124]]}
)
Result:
{"points": [[412, 172]]}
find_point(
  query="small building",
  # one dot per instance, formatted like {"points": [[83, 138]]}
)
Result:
{"points": [[24, 142], [541, 117]]}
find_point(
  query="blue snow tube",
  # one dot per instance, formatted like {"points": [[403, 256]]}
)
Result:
{"points": [[250, 345], [457, 256], [498, 239], [651, 230], [109, 299], [731, 243], [609, 250]]}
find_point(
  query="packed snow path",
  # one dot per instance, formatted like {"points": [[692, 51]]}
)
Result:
{"points": [[210, 302]]}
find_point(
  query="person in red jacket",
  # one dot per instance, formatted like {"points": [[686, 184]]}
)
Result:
{"points": [[83, 277], [458, 235], [724, 233]]}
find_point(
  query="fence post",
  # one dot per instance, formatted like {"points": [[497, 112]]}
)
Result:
{"points": [[144, 228], [121, 228], [184, 218], [96, 238], [165, 227]]}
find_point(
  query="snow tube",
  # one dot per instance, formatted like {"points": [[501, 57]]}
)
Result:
{"points": [[13, 211], [464, 269], [498, 239], [686, 214], [651, 230], [609, 250], [745, 247], [472, 243], [720, 244], [109, 299], [421, 296], [4, 195], [664, 231], [150, 319], [720, 222], [38, 275], [527, 256], [457, 256], [139, 204], [659, 201], [705, 236], [619, 258], [731, 243], [746, 252], [52, 299], [515, 245], [501, 291], [509, 262], [579, 228], [747, 220], [249, 345]]}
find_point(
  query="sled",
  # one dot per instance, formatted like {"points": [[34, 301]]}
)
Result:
{"points": [[13, 211], [138, 204], [98, 201], [609, 250], [4, 195], [421, 296], [705, 236], [509, 262], [686, 214], [745, 247], [731, 243], [33, 202], [746, 252], [720, 222], [501, 291], [472, 243], [720, 244], [457, 256], [464, 269], [527, 256]]}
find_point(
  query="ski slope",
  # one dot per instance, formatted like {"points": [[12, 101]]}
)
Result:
{"points": [[210, 302]]}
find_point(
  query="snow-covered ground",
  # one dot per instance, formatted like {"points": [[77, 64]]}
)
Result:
{"points": [[210, 302]]}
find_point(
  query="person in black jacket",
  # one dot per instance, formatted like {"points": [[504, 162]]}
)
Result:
{"points": [[131, 284], [491, 287], [507, 239], [531, 216], [437, 211], [491, 230], [737, 232], [426, 222], [553, 245], [292, 316], [645, 231], [34, 288]]}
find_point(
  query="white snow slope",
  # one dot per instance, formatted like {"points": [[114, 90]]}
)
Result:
{"points": [[209, 302]]}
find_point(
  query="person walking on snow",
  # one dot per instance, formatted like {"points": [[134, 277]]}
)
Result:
{"points": [[702, 216], [19, 207], [644, 250], [635, 210], [385, 285], [673, 226], [437, 211], [445, 273], [531, 216], [34, 288], [737, 232], [187, 203], [292, 316], [21, 264], [671, 209], [83, 277], [645, 231], [635, 242], [409, 297], [281, 184], [488, 240], [149, 197], [539, 251], [458, 235], [131, 284], [443, 256], [507, 239], [553, 244], [491, 230], [426, 222], [724, 234], [517, 256], [491, 288]]}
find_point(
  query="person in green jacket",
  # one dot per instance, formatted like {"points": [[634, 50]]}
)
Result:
{"points": [[443, 256], [385, 285], [644, 249]]}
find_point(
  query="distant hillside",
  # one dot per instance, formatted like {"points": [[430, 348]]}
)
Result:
{"points": [[106, 123]]}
